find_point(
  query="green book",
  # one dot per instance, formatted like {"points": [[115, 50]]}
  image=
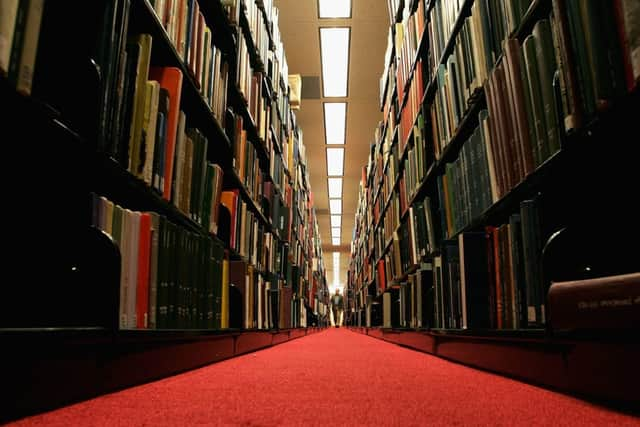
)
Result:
{"points": [[579, 46], [153, 268], [528, 105], [536, 104], [546, 68], [215, 284], [205, 216]]}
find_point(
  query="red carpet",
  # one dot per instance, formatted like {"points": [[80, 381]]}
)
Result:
{"points": [[336, 377]]}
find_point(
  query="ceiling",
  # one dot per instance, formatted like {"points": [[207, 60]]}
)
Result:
{"points": [[299, 27]]}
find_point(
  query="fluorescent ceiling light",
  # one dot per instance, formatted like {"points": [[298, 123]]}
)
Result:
{"points": [[335, 206], [336, 220], [335, 231], [335, 188], [335, 161], [334, 50], [334, 8], [335, 240], [335, 119]]}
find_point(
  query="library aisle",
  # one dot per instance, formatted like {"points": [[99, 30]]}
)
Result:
{"points": [[336, 377]]}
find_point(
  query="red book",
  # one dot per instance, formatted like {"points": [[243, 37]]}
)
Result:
{"points": [[611, 302], [142, 284], [623, 38], [229, 199], [382, 278], [170, 78]]}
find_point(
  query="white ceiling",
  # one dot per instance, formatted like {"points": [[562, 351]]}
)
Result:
{"points": [[299, 28]]}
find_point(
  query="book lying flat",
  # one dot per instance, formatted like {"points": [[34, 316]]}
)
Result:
{"points": [[611, 302]]}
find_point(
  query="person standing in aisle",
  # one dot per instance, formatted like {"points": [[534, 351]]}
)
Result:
{"points": [[336, 308]]}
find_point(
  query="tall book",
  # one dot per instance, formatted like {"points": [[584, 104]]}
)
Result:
{"points": [[156, 230], [26, 66], [628, 24], [474, 280], [17, 42], [144, 264], [170, 78], [149, 130], [8, 13]]}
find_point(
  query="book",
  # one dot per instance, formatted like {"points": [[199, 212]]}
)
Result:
{"points": [[157, 226], [144, 42], [603, 303], [149, 130], [25, 70], [8, 13], [17, 42], [628, 24], [170, 78]]}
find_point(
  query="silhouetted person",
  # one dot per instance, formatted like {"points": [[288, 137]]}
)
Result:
{"points": [[337, 307]]}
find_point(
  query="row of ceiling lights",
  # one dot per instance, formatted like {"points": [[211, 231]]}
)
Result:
{"points": [[334, 52]]}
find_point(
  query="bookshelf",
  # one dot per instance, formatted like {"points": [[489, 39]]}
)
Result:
{"points": [[502, 127], [231, 260]]}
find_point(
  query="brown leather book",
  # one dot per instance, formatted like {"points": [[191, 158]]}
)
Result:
{"points": [[611, 302]]}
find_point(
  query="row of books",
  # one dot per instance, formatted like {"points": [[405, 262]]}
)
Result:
{"points": [[490, 23], [258, 28], [287, 200], [195, 42], [409, 113], [170, 277], [408, 235], [480, 280], [410, 304], [152, 124], [158, 106], [492, 278], [596, 48], [397, 162], [246, 161], [419, 159], [464, 190], [408, 36], [288, 163], [270, 190], [262, 25], [412, 242], [276, 128], [249, 83], [173, 278]]}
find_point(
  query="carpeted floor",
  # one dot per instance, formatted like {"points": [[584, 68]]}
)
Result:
{"points": [[336, 377]]}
